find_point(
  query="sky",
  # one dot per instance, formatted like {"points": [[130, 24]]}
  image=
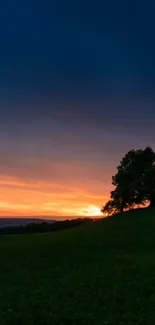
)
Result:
{"points": [[77, 91]]}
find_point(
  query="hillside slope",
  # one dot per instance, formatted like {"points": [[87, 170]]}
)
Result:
{"points": [[98, 274]]}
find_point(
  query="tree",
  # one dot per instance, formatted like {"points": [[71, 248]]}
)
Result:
{"points": [[134, 181], [111, 207]]}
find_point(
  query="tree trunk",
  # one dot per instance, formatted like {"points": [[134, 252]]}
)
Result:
{"points": [[152, 201], [122, 208]]}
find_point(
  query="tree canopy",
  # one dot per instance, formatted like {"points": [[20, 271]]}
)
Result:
{"points": [[134, 182]]}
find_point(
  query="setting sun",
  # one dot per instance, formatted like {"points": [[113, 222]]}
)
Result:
{"points": [[92, 210]]}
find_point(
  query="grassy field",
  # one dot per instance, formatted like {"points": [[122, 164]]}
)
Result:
{"points": [[93, 275]]}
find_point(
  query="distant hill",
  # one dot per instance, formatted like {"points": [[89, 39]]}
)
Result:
{"points": [[13, 222]]}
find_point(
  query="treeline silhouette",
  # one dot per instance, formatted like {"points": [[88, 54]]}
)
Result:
{"points": [[45, 227]]}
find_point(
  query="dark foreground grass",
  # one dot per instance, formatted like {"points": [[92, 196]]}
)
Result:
{"points": [[94, 275]]}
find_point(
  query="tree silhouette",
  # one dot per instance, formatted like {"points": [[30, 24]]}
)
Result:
{"points": [[134, 182]]}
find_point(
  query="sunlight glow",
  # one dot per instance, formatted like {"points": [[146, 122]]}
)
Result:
{"points": [[42, 198], [93, 210]]}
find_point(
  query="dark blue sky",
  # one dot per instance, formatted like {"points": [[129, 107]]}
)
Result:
{"points": [[77, 83]]}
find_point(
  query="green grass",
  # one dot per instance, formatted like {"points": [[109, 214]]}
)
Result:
{"points": [[101, 274]]}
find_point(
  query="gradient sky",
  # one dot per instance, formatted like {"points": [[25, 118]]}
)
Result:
{"points": [[77, 91]]}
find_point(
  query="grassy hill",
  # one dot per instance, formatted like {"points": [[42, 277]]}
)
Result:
{"points": [[101, 274]]}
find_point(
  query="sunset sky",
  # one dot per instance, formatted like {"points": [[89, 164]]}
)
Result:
{"points": [[77, 91]]}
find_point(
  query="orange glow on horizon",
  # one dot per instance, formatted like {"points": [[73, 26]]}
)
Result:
{"points": [[91, 211], [22, 198]]}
